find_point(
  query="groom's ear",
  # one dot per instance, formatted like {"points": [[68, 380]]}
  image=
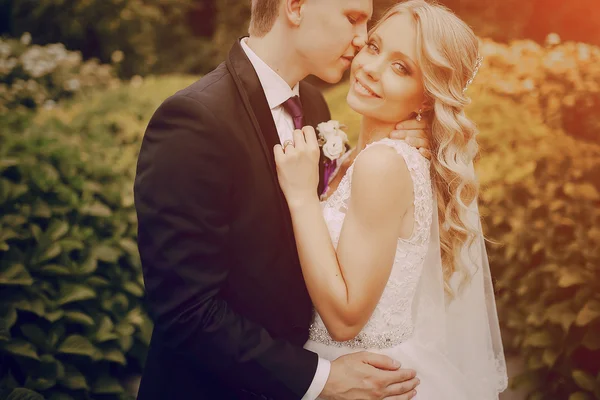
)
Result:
{"points": [[294, 11]]}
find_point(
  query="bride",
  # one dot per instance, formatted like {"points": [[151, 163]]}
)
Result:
{"points": [[394, 259]]}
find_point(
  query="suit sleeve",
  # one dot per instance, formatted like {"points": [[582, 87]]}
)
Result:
{"points": [[182, 197]]}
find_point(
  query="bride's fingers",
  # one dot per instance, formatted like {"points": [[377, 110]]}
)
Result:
{"points": [[310, 136], [279, 153], [299, 141]]}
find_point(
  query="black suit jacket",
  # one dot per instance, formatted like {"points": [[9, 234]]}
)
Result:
{"points": [[222, 275]]}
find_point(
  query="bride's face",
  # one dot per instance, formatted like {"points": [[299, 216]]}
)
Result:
{"points": [[386, 82]]}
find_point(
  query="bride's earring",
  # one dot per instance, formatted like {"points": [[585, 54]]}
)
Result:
{"points": [[419, 117]]}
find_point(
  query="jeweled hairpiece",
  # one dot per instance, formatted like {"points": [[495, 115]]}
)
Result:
{"points": [[477, 65]]}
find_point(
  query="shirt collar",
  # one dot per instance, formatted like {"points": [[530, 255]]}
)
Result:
{"points": [[277, 91]]}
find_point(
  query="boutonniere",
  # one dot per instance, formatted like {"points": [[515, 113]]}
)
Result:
{"points": [[334, 143], [332, 139]]}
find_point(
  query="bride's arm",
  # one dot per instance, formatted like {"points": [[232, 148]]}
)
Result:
{"points": [[346, 286]]}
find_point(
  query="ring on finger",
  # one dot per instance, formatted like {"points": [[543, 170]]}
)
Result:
{"points": [[287, 143]]}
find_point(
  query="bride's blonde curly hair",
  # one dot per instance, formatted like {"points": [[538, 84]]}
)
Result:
{"points": [[448, 56]]}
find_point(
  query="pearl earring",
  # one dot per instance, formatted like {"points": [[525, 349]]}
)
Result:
{"points": [[419, 117]]}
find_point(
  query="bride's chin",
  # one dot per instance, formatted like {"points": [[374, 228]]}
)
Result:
{"points": [[354, 103]]}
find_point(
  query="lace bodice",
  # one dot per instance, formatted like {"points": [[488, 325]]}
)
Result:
{"points": [[391, 322]]}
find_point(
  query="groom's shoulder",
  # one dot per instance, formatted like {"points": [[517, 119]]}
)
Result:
{"points": [[210, 89]]}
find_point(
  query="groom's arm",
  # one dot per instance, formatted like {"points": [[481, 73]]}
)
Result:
{"points": [[182, 193]]}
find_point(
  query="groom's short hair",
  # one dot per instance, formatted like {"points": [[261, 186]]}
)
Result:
{"points": [[263, 16]]}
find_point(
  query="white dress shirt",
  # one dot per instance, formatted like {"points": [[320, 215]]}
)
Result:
{"points": [[277, 91]]}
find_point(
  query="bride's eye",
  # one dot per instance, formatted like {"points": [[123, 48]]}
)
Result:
{"points": [[372, 46], [352, 20], [401, 69]]}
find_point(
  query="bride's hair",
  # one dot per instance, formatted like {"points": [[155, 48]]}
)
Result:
{"points": [[447, 51]]}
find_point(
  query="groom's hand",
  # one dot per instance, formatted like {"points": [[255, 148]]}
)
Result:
{"points": [[414, 133], [369, 376]]}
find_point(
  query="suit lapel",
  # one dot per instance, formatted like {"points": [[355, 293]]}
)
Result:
{"points": [[257, 107]]}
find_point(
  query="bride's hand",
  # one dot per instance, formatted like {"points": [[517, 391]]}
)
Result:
{"points": [[298, 167]]}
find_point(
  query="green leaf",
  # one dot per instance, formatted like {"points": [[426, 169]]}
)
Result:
{"points": [[77, 344], [107, 385], [550, 356], [97, 281], [570, 277], [105, 330], [79, 318], [74, 379], [46, 253], [125, 329], [50, 367], [538, 339], [115, 356], [591, 340], [88, 266], [39, 383], [69, 244], [589, 313], [35, 335], [41, 209], [126, 342], [57, 230], [20, 347], [24, 394], [8, 317], [561, 313], [54, 315], [36, 231], [72, 292], [15, 275], [107, 254], [588, 192], [56, 334], [55, 270], [130, 247], [584, 380], [96, 210], [133, 289], [35, 306]]}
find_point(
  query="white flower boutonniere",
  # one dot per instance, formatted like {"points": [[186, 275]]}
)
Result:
{"points": [[332, 139]]}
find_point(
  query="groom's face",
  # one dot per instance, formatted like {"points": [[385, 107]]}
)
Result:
{"points": [[330, 35]]}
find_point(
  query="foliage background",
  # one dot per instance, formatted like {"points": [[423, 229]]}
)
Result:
{"points": [[79, 79]]}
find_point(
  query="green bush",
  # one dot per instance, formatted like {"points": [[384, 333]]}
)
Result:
{"points": [[541, 200], [559, 82], [33, 76], [72, 320], [144, 31]]}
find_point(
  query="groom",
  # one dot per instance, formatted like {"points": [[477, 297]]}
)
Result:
{"points": [[221, 270]]}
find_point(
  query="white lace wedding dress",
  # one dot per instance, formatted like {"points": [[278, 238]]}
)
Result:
{"points": [[405, 323]]}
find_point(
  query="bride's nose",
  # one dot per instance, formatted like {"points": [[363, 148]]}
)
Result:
{"points": [[374, 68]]}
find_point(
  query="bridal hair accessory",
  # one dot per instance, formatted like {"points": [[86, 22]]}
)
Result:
{"points": [[477, 65]]}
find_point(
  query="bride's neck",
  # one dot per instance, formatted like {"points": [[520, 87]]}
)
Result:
{"points": [[372, 130]]}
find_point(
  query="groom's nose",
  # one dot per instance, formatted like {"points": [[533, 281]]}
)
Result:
{"points": [[359, 41]]}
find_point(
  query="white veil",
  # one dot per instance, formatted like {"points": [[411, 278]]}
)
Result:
{"points": [[465, 328]]}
